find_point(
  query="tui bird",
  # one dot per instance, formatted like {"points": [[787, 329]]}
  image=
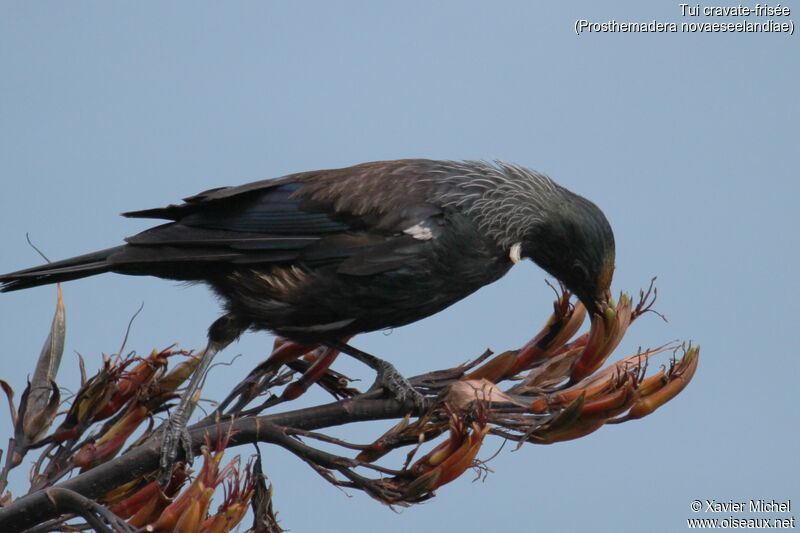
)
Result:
{"points": [[320, 256]]}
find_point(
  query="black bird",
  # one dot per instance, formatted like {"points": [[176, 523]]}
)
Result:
{"points": [[319, 256]]}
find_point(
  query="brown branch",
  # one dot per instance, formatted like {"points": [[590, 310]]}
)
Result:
{"points": [[98, 517], [36, 508]]}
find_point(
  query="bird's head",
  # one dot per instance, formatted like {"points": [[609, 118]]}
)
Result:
{"points": [[573, 241], [533, 217]]}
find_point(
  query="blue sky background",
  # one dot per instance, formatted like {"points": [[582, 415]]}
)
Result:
{"points": [[688, 142]]}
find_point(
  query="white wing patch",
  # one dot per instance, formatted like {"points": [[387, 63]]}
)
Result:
{"points": [[419, 231]]}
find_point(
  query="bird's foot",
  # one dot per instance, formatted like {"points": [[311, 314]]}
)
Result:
{"points": [[392, 380], [174, 437], [388, 376]]}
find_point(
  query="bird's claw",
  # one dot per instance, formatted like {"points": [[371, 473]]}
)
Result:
{"points": [[175, 437], [392, 380]]}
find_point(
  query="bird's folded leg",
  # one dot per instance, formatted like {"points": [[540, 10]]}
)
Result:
{"points": [[173, 432], [388, 378]]}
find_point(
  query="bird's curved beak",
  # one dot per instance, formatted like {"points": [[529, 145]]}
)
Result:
{"points": [[599, 301]]}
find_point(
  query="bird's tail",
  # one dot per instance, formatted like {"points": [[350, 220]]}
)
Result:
{"points": [[73, 268]]}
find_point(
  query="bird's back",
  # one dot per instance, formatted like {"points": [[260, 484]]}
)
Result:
{"points": [[350, 250], [311, 254]]}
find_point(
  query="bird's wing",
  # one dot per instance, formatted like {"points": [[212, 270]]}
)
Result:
{"points": [[365, 219]]}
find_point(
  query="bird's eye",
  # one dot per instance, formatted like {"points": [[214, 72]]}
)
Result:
{"points": [[580, 272]]}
